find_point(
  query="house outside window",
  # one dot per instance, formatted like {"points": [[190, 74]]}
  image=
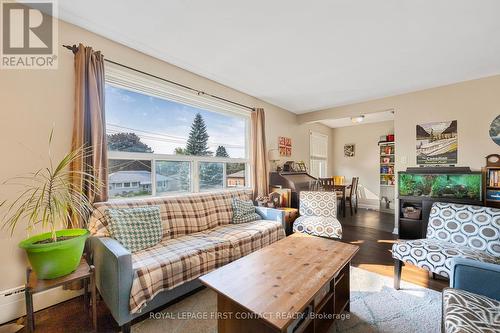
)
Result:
{"points": [[163, 140]]}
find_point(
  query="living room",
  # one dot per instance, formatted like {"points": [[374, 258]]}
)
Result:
{"points": [[358, 140]]}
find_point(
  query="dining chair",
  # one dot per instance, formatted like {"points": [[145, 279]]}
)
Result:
{"points": [[327, 184], [352, 196], [339, 180]]}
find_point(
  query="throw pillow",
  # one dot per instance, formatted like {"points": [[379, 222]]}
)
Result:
{"points": [[135, 228], [244, 211]]}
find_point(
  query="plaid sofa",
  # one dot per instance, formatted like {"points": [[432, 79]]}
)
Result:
{"points": [[197, 238]]}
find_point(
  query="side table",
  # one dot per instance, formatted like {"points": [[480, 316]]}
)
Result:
{"points": [[84, 272], [290, 215]]}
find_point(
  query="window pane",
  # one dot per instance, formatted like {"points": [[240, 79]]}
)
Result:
{"points": [[173, 176], [318, 168], [235, 175], [129, 178], [211, 176], [137, 122]]}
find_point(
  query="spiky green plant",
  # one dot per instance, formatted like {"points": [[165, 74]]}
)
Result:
{"points": [[48, 197]]}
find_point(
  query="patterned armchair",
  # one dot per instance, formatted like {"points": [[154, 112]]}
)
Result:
{"points": [[454, 231], [472, 303], [318, 215]]}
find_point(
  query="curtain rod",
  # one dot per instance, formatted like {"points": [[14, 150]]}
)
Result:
{"points": [[74, 48]]}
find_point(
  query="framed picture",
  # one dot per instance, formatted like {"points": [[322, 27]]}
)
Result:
{"points": [[275, 199], [285, 194], [349, 150], [301, 166], [437, 143], [285, 146]]}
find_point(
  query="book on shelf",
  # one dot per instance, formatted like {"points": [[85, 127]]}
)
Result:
{"points": [[494, 178]]}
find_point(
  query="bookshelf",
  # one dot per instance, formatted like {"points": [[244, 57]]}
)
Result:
{"points": [[387, 176], [491, 176]]}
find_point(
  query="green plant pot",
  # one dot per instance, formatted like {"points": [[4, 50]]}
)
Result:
{"points": [[52, 260]]}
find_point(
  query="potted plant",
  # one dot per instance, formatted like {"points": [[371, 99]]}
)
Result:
{"points": [[48, 199]]}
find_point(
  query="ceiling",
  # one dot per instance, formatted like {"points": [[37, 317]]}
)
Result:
{"points": [[307, 55], [369, 118]]}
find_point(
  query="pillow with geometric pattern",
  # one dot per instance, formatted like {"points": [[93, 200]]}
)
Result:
{"points": [[244, 211], [135, 228]]}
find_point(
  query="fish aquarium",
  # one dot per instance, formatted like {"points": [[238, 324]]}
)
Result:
{"points": [[441, 185]]}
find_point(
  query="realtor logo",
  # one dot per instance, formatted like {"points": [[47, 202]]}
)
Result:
{"points": [[29, 35]]}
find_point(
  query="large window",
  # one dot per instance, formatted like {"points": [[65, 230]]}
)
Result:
{"points": [[318, 154], [163, 140]]}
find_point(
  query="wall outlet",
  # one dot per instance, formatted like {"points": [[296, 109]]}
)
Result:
{"points": [[403, 159]]}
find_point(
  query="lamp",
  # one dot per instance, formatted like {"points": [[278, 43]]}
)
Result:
{"points": [[357, 119], [273, 155]]}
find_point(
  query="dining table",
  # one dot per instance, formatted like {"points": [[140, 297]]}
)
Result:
{"points": [[341, 188]]}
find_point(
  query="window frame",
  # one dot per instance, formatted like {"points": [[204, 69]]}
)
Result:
{"points": [[123, 78], [316, 157]]}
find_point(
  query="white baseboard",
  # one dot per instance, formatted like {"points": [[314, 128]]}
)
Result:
{"points": [[368, 206], [13, 306]]}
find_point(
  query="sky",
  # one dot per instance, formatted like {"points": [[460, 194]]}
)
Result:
{"points": [[164, 125]]}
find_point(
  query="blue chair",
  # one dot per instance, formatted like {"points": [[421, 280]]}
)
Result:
{"points": [[472, 303]]}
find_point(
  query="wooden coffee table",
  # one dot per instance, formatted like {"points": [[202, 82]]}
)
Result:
{"points": [[298, 284]]}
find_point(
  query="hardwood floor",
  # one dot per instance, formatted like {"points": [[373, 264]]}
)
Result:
{"points": [[370, 219], [374, 255]]}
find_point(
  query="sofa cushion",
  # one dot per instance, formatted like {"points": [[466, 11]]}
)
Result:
{"points": [[465, 225], [328, 227], [135, 228], [180, 215], [248, 237], [464, 311], [173, 262], [435, 255], [244, 211]]}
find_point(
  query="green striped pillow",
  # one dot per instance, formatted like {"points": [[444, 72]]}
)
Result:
{"points": [[244, 211], [135, 228]]}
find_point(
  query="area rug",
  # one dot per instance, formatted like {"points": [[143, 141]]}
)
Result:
{"points": [[375, 307]]}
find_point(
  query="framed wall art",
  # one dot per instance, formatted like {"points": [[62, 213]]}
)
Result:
{"points": [[349, 150], [285, 146], [495, 130], [437, 143]]}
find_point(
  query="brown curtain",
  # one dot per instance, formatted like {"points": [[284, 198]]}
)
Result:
{"points": [[258, 159], [89, 123]]}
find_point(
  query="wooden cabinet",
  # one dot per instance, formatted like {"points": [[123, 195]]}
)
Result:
{"points": [[330, 301], [291, 215]]}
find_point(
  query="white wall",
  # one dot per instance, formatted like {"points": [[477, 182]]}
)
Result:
{"points": [[365, 163]]}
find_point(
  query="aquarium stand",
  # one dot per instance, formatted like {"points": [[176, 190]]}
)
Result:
{"points": [[412, 227]]}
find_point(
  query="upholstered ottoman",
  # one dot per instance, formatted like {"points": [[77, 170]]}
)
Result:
{"points": [[464, 311]]}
